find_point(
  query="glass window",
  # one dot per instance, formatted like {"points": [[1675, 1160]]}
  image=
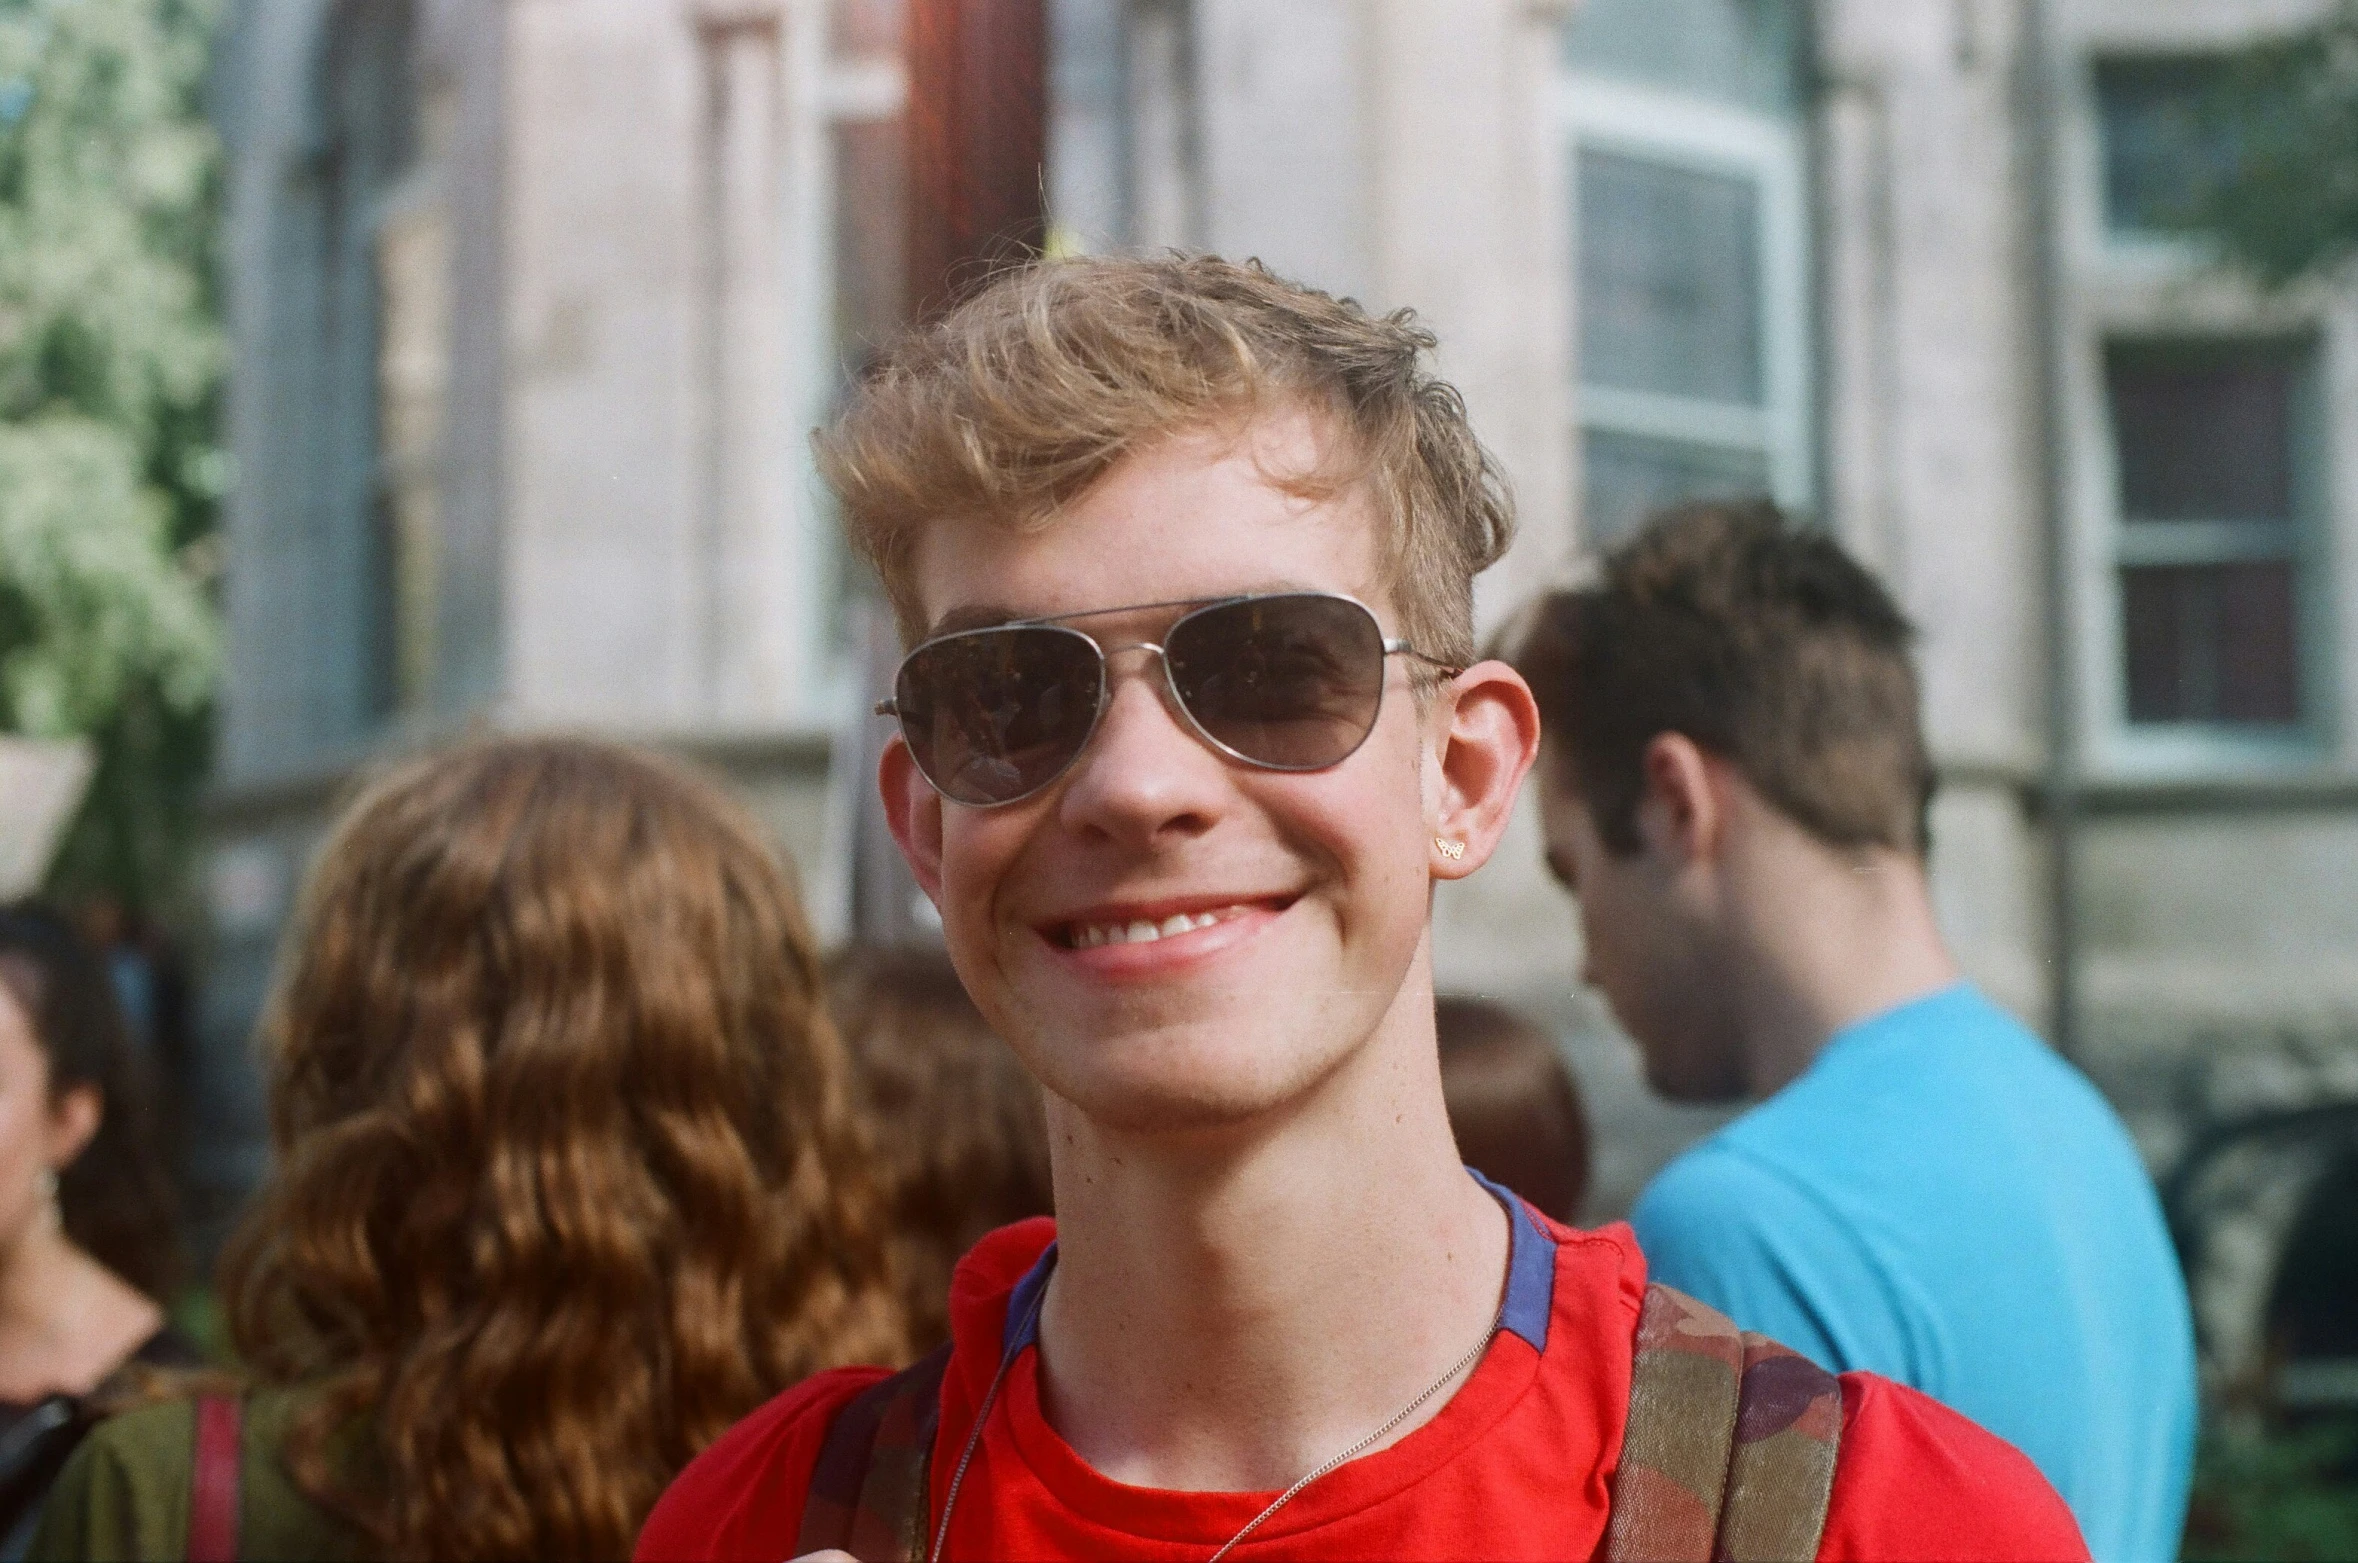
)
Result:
{"points": [[1691, 285], [871, 178], [2211, 643], [2207, 451], [1630, 476], [1744, 52], [2158, 149], [368, 144], [2203, 442], [1669, 279], [868, 226]]}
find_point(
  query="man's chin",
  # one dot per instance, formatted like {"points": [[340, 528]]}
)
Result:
{"points": [[1689, 1086], [1167, 1088]]}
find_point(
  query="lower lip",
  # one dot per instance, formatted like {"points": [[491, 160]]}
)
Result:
{"points": [[1172, 952]]}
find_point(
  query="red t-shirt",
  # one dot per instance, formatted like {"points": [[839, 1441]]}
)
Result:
{"points": [[1518, 1464]]}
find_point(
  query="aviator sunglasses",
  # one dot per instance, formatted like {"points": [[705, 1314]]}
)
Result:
{"points": [[1289, 681]]}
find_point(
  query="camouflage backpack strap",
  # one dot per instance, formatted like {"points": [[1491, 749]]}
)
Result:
{"points": [[868, 1490], [1781, 1476], [1730, 1444]]}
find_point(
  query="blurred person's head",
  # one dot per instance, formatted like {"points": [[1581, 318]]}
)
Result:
{"points": [[1168, 932], [1512, 1103], [569, 1177], [1733, 763], [961, 1145], [77, 1143]]}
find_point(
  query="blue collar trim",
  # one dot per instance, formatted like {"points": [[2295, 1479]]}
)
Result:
{"points": [[1531, 1270], [1023, 1305], [1530, 1286]]}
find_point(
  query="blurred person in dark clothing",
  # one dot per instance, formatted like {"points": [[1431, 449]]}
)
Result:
{"points": [[1735, 785], [961, 1138], [88, 1247], [1512, 1103], [568, 1179]]}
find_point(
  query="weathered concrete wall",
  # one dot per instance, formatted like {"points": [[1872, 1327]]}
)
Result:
{"points": [[1931, 424]]}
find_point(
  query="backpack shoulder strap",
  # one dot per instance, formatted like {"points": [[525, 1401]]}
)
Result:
{"points": [[1730, 1444], [216, 1480], [1781, 1475], [868, 1492], [1684, 1385]]}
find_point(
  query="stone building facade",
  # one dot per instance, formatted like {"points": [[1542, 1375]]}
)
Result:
{"points": [[535, 300]]}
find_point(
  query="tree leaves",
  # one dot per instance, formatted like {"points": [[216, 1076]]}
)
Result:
{"points": [[111, 365], [2285, 205], [97, 597]]}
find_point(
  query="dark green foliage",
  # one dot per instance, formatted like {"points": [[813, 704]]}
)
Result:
{"points": [[2284, 201], [2289, 1495]]}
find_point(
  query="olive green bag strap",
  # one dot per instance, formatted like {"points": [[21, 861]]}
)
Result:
{"points": [[1730, 1446]]}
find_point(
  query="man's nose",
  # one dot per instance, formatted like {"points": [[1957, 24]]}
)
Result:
{"points": [[1145, 772]]}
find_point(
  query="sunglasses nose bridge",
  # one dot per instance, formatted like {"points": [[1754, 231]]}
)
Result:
{"points": [[1167, 689]]}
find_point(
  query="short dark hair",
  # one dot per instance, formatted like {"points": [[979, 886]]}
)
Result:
{"points": [[116, 1197], [1761, 641], [1512, 1104]]}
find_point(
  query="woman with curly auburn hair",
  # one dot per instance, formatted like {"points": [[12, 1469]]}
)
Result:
{"points": [[569, 1178]]}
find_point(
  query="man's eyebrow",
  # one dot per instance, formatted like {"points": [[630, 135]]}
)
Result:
{"points": [[989, 615]]}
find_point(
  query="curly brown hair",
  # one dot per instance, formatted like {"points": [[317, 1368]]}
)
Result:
{"points": [[968, 1149], [569, 1174], [1018, 399]]}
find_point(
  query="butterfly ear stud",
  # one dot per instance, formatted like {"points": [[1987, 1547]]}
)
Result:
{"points": [[1452, 850]]}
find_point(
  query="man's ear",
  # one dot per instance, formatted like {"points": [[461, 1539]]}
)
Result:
{"points": [[1485, 748], [73, 1118], [1681, 814], [913, 812]]}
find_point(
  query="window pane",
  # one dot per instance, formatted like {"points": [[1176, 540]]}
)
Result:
{"points": [[1628, 477], [2203, 439], [871, 214], [1669, 279], [1746, 52], [2211, 643], [2157, 150]]}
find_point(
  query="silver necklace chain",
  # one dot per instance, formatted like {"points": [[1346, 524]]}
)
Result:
{"points": [[1365, 1444], [941, 1535]]}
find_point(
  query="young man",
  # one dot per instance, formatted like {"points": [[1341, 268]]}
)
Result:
{"points": [[1734, 784], [1186, 556]]}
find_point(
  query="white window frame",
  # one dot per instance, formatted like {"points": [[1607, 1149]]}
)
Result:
{"points": [[1608, 114], [2135, 288], [827, 91], [2196, 748]]}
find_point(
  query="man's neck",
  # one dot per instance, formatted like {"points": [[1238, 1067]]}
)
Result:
{"points": [[1225, 1317], [1830, 937]]}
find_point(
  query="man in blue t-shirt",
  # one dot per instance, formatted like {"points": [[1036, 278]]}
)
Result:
{"points": [[1734, 785]]}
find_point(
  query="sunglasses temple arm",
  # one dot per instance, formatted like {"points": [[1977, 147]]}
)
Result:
{"points": [[1401, 648], [888, 706]]}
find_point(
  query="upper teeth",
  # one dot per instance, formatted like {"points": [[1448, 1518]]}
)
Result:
{"points": [[1088, 936]]}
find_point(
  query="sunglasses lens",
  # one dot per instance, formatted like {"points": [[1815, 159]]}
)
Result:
{"points": [[1288, 682], [997, 714]]}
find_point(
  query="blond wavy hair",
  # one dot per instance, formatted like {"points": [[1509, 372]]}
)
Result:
{"points": [[1014, 402], [568, 1174]]}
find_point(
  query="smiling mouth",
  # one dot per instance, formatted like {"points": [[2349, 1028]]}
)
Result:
{"points": [[1091, 935]]}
